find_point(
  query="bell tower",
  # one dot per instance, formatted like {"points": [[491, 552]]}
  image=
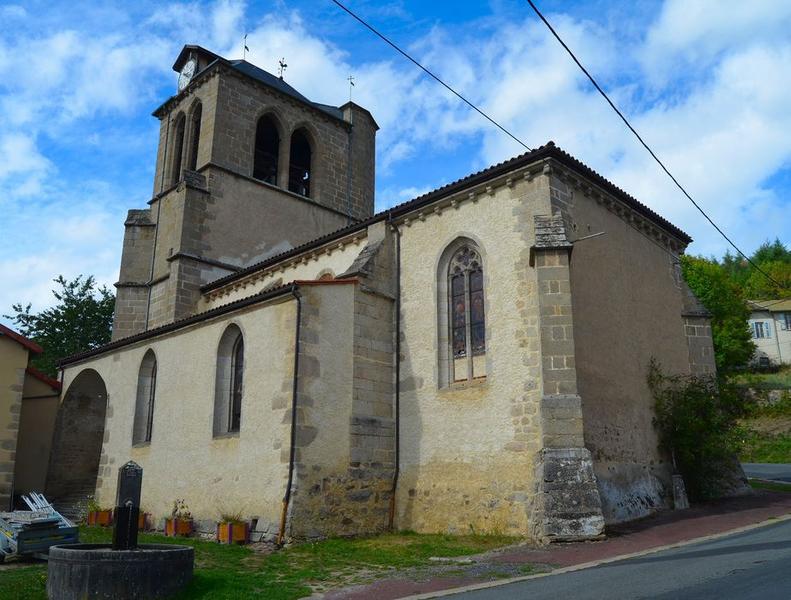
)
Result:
{"points": [[247, 167]]}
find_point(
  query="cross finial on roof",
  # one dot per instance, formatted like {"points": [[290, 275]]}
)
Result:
{"points": [[350, 79], [246, 49], [282, 67]]}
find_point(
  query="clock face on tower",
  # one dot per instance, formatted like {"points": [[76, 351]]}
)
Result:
{"points": [[187, 71]]}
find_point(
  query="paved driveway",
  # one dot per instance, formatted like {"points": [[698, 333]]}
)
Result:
{"points": [[776, 472], [745, 566]]}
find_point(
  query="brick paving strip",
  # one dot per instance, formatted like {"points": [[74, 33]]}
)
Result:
{"points": [[667, 528]]}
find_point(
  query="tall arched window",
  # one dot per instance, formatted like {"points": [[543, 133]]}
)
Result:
{"points": [[299, 165], [195, 120], [144, 404], [463, 322], [178, 149], [267, 150], [229, 383]]}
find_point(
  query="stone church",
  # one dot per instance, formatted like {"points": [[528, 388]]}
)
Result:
{"points": [[472, 360]]}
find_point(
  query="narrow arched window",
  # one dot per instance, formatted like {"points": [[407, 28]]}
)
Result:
{"points": [[466, 315], [267, 150], [229, 383], [178, 149], [299, 165], [144, 404], [237, 378], [192, 163]]}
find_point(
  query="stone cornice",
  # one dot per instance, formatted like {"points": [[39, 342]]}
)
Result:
{"points": [[312, 255], [629, 215]]}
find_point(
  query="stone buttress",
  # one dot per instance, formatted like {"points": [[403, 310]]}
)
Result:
{"points": [[350, 492], [567, 504]]}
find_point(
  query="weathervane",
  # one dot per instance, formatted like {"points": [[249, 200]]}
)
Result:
{"points": [[282, 67], [246, 49], [350, 79]]}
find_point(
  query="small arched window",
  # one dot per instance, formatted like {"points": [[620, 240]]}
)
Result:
{"points": [[299, 165], [144, 404], [463, 296], [229, 383], [195, 120], [178, 149], [267, 150]]}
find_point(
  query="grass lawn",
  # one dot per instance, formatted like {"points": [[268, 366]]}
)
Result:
{"points": [[767, 381], [238, 572], [770, 426], [763, 448], [771, 486]]}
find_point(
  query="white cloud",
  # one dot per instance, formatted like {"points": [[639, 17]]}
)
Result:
{"points": [[76, 235], [706, 85], [22, 169], [389, 197], [723, 135], [694, 35], [20, 155]]}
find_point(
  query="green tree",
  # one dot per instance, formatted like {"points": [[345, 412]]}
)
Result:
{"points": [[711, 283], [81, 319], [772, 251], [738, 268], [760, 287]]}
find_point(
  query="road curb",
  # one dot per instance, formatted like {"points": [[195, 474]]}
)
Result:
{"points": [[596, 563]]}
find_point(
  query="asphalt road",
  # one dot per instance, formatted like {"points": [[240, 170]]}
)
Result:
{"points": [[751, 565], [777, 472]]}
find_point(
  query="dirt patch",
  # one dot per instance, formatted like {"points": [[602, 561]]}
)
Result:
{"points": [[770, 425]]}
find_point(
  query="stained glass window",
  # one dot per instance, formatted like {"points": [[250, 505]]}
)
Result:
{"points": [[237, 371], [467, 314]]}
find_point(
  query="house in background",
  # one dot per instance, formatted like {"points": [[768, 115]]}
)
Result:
{"points": [[28, 407], [770, 323]]}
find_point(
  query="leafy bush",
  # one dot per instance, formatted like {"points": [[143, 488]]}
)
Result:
{"points": [[733, 345], [698, 421]]}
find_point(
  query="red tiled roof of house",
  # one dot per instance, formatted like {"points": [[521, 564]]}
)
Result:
{"points": [[44, 378], [21, 339]]}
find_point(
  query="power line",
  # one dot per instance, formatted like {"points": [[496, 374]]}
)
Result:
{"points": [[406, 55], [647, 147], [674, 257], [392, 44], [430, 74]]}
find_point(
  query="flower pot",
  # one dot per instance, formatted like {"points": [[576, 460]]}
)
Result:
{"points": [[178, 527], [100, 517], [233, 533], [142, 521]]}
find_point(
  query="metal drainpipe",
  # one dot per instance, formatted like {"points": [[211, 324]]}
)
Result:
{"points": [[156, 228], [293, 450], [391, 517]]}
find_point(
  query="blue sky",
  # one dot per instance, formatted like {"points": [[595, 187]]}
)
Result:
{"points": [[705, 81]]}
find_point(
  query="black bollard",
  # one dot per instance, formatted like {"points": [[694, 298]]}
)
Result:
{"points": [[127, 506]]}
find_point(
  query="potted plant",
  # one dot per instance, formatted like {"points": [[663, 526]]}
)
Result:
{"points": [[232, 529], [98, 515], [180, 521]]}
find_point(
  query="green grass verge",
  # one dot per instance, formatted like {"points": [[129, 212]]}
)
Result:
{"points": [[237, 572], [24, 583], [761, 448], [766, 381], [768, 485]]}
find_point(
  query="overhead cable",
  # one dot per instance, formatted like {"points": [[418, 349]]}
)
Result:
{"points": [[647, 147]]}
